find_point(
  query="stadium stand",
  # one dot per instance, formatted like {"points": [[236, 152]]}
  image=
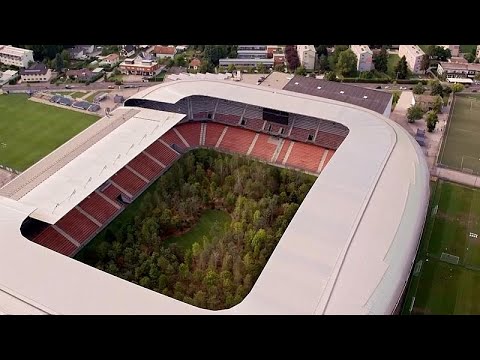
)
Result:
{"points": [[213, 134], [283, 151], [98, 208], [77, 225], [237, 140], [190, 132], [162, 153], [52, 239], [171, 138], [112, 192], [128, 181], [264, 147], [305, 156], [145, 166]]}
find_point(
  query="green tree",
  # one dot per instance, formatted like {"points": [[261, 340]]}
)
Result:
{"points": [[414, 112], [323, 63], [436, 88], [231, 68], [380, 60], [425, 64], [301, 71], [431, 120], [321, 50], [419, 89], [347, 63], [279, 67], [330, 76], [401, 69], [437, 107], [469, 57], [457, 87]]}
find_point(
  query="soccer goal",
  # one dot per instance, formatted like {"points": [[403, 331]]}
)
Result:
{"points": [[449, 258]]}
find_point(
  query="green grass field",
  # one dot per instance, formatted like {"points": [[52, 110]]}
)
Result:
{"points": [[31, 130], [78, 94], [467, 48], [202, 228], [441, 287], [393, 60], [461, 148]]}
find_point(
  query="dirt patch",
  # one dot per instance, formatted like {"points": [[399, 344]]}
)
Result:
{"points": [[461, 218]]}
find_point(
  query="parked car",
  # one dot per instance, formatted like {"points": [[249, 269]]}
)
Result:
{"points": [[111, 86], [68, 87]]}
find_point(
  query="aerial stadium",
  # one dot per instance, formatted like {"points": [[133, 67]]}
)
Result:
{"points": [[349, 249]]}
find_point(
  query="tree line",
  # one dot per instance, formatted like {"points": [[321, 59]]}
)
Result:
{"points": [[219, 270]]}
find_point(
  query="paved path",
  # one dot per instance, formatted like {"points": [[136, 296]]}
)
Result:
{"points": [[457, 176]]}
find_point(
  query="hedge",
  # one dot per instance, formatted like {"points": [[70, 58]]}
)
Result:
{"points": [[358, 80]]}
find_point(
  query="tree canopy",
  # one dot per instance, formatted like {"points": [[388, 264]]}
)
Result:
{"points": [[220, 268], [414, 112], [419, 89], [401, 70], [347, 63], [380, 60], [431, 119]]}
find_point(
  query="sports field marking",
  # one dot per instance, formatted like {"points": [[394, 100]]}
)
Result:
{"points": [[449, 258]]}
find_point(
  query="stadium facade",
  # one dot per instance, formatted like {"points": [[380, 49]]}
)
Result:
{"points": [[348, 250]]}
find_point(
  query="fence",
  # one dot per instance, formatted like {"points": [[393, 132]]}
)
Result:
{"points": [[9, 169]]}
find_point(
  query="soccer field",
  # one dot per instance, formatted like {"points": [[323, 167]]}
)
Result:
{"points": [[31, 130], [446, 275], [461, 148]]}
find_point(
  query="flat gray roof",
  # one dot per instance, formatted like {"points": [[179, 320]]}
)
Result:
{"points": [[376, 100]]}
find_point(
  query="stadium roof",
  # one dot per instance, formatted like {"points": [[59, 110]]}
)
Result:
{"points": [[356, 95], [68, 186], [339, 255]]}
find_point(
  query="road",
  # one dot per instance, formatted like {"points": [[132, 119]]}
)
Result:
{"points": [[391, 87], [93, 86]]}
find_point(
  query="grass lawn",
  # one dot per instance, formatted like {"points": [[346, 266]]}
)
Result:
{"points": [[114, 78], [78, 94], [467, 48], [424, 47], [440, 287], [461, 149], [393, 60], [201, 228], [32, 130]]}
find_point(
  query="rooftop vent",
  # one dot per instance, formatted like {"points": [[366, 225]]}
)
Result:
{"points": [[365, 96], [319, 87], [296, 83], [342, 92]]}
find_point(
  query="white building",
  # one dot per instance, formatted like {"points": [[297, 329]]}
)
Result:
{"points": [[38, 72], [6, 76], [307, 55], [455, 49], [364, 57], [10, 55], [478, 51], [414, 56]]}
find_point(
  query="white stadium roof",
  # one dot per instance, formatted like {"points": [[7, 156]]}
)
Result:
{"points": [[348, 250]]}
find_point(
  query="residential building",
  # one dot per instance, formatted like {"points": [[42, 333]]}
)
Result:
{"points": [[162, 51], [38, 72], [250, 55], [143, 64], [364, 57], [478, 51], [278, 54], [181, 48], [111, 60], [19, 57], [81, 52], [307, 56], [454, 49], [458, 70], [127, 50], [6, 76], [82, 75], [194, 64], [458, 60], [414, 56], [426, 102]]}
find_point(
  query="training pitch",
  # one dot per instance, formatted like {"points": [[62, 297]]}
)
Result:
{"points": [[30, 130], [446, 274], [461, 147]]}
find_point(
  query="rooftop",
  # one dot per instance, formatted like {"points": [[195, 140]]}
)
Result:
{"points": [[460, 66], [14, 51], [356, 95], [164, 50], [37, 68]]}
